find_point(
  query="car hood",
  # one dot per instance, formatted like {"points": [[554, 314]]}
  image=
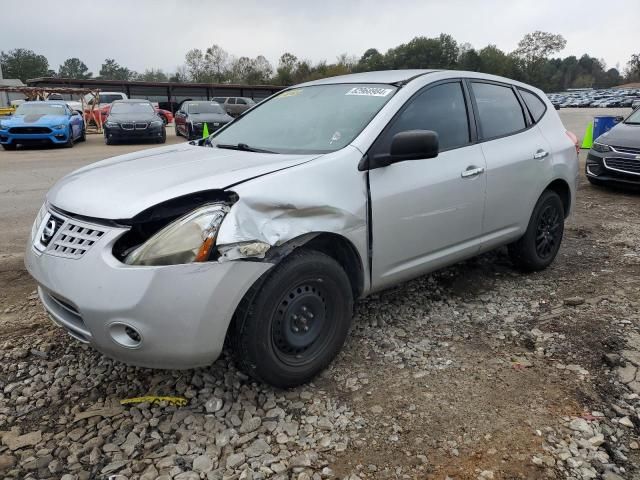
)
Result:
{"points": [[210, 117], [622, 135], [36, 119], [133, 117], [123, 186]]}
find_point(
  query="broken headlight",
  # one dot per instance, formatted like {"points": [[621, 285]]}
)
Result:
{"points": [[188, 239]]}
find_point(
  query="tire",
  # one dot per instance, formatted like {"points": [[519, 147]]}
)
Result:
{"points": [[538, 247], [10, 146], [109, 141], [164, 120], [175, 126], [163, 138], [83, 136], [293, 322], [69, 142]]}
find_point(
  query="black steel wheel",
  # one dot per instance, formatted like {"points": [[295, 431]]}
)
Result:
{"points": [[538, 247], [294, 320]]}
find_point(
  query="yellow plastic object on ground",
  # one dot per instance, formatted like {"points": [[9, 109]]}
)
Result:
{"points": [[205, 130], [587, 141], [175, 401], [6, 111]]}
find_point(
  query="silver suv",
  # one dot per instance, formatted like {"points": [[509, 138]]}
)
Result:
{"points": [[266, 233]]}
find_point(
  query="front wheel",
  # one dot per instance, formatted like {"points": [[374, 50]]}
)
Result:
{"points": [[163, 138], [538, 247], [292, 324], [83, 135], [9, 146]]}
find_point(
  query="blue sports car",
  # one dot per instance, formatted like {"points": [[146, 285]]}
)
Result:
{"points": [[42, 122]]}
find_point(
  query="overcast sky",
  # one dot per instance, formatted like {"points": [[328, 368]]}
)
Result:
{"points": [[142, 34]]}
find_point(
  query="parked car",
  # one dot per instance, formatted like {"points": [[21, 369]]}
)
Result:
{"points": [[104, 99], [614, 158], [266, 232], [44, 122], [192, 116], [235, 106], [165, 115], [133, 120]]}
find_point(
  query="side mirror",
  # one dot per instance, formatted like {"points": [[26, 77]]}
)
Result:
{"points": [[619, 119], [407, 145], [414, 145]]}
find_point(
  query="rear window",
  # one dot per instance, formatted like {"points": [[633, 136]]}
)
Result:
{"points": [[535, 105], [499, 110]]}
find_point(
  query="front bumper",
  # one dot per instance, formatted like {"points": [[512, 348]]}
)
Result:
{"points": [[181, 312], [613, 167], [196, 130], [149, 133], [55, 137]]}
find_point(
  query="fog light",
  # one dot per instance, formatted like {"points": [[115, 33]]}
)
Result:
{"points": [[594, 169], [125, 335]]}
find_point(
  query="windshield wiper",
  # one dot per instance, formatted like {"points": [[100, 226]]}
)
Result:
{"points": [[243, 147]]}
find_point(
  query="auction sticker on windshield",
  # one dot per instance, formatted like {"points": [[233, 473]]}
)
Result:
{"points": [[370, 91], [290, 93]]}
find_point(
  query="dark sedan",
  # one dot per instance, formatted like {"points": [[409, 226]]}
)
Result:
{"points": [[192, 117], [133, 120], [615, 155]]}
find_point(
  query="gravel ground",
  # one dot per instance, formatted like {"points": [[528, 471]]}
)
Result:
{"points": [[475, 372]]}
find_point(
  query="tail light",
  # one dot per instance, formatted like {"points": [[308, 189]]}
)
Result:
{"points": [[574, 140]]}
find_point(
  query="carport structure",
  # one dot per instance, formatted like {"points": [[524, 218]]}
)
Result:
{"points": [[168, 95], [93, 121]]}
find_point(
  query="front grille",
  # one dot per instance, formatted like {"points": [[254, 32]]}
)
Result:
{"points": [[631, 150], [624, 165], [74, 240], [29, 130], [51, 228], [127, 126], [141, 126]]}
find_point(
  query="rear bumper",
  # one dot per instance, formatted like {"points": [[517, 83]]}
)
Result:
{"points": [[181, 312]]}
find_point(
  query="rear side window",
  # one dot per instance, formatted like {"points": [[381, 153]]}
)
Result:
{"points": [[442, 109], [536, 106], [499, 110]]}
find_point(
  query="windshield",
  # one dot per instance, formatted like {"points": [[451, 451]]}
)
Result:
{"points": [[205, 107], [315, 119], [634, 118], [141, 107], [40, 109]]}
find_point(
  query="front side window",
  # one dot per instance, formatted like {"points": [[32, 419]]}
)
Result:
{"points": [[441, 109], [536, 106], [240, 101], [313, 119], [499, 110], [633, 119], [231, 101]]}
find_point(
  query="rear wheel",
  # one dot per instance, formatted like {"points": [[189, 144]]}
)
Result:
{"points": [[164, 119], [9, 146], [538, 247], [291, 325]]}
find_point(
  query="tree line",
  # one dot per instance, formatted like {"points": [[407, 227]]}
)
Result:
{"points": [[532, 62]]}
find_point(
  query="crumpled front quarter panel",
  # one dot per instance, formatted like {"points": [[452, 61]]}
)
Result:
{"points": [[327, 194]]}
